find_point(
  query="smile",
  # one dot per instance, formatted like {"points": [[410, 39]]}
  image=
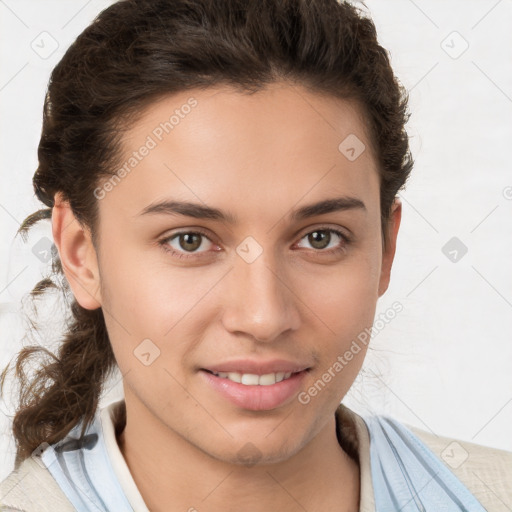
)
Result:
{"points": [[255, 392]]}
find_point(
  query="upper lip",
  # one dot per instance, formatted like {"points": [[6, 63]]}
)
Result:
{"points": [[257, 367]]}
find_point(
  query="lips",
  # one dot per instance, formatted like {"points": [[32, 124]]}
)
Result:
{"points": [[258, 397], [256, 384]]}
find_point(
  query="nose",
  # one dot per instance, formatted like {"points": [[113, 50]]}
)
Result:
{"points": [[259, 300]]}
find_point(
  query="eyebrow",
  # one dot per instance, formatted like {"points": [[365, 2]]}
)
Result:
{"points": [[199, 211]]}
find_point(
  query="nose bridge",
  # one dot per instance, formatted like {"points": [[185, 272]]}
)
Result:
{"points": [[260, 302]]}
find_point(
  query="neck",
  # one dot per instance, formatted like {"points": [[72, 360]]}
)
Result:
{"points": [[171, 472]]}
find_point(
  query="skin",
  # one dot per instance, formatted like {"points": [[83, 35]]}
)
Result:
{"points": [[293, 302]]}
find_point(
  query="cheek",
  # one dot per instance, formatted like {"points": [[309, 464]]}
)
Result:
{"points": [[152, 302], [342, 306], [345, 296], [147, 297]]}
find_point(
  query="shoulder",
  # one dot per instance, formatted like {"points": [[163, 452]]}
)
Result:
{"points": [[485, 471], [31, 488], [408, 464]]}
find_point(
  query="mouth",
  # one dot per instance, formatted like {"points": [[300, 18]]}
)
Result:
{"points": [[255, 392]]}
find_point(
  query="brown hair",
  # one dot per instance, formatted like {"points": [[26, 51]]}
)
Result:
{"points": [[137, 51]]}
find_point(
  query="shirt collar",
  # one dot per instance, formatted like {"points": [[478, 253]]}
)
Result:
{"points": [[111, 418]]}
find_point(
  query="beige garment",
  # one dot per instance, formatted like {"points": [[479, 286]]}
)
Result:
{"points": [[486, 472]]}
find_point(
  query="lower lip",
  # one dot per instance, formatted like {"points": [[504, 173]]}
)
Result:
{"points": [[256, 398]]}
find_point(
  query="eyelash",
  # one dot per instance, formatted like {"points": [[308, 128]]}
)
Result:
{"points": [[164, 242]]}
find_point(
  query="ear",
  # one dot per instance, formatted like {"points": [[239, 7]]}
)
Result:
{"points": [[389, 254], [77, 254]]}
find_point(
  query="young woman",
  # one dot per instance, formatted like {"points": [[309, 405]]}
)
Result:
{"points": [[222, 180]]}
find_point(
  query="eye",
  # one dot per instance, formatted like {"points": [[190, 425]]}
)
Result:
{"points": [[321, 238], [187, 241]]}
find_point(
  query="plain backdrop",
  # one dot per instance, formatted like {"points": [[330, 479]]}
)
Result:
{"points": [[444, 362]]}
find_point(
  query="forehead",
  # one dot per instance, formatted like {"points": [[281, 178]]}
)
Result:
{"points": [[266, 150]]}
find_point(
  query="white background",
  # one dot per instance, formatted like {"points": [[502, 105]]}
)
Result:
{"points": [[444, 363]]}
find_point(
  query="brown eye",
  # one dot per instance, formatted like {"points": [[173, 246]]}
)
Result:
{"points": [[321, 239], [179, 244]]}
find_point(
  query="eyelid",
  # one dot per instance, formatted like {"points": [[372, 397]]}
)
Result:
{"points": [[197, 231], [342, 231], [182, 231]]}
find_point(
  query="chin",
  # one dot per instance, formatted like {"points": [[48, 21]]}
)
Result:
{"points": [[255, 453]]}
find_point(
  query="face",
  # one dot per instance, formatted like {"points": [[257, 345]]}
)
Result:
{"points": [[249, 281]]}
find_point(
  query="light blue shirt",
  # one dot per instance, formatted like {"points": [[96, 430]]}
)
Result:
{"points": [[406, 475]]}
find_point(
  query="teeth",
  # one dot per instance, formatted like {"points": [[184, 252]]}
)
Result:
{"points": [[251, 379], [235, 377]]}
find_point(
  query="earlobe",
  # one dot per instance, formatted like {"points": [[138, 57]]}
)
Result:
{"points": [[77, 255], [389, 254]]}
